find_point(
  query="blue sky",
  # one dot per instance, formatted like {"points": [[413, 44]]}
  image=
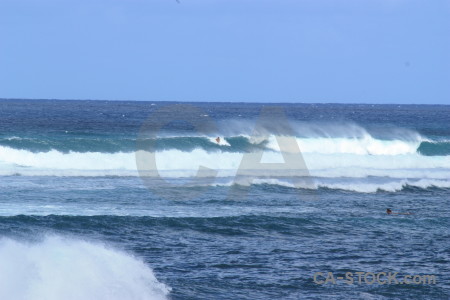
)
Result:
{"points": [[371, 51]]}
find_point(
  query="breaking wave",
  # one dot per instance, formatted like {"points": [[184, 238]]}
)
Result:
{"points": [[182, 164], [59, 268], [329, 151]]}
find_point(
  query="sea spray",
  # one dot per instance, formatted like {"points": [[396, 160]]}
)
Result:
{"points": [[61, 268]]}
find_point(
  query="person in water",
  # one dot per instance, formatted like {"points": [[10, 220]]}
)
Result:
{"points": [[390, 212], [218, 140]]}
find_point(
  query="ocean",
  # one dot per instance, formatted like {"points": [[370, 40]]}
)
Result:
{"points": [[82, 217]]}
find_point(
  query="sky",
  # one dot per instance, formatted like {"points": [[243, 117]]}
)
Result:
{"points": [[347, 51]]}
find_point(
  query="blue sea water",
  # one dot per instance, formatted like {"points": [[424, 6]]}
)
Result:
{"points": [[78, 222]]}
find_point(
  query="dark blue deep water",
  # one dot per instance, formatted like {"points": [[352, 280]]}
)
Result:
{"points": [[78, 222]]}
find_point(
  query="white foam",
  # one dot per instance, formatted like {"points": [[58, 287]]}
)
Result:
{"points": [[365, 145], [176, 163], [66, 161], [394, 186], [59, 268], [350, 185]]}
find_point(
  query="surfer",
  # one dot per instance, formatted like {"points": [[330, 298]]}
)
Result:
{"points": [[218, 140], [389, 212]]}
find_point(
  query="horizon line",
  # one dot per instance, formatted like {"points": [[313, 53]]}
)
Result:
{"points": [[215, 101]]}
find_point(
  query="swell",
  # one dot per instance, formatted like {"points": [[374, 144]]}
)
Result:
{"points": [[237, 224], [372, 185], [437, 148], [362, 145], [124, 144]]}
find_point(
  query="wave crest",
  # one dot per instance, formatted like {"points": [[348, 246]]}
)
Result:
{"points": [[59, 268]]}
